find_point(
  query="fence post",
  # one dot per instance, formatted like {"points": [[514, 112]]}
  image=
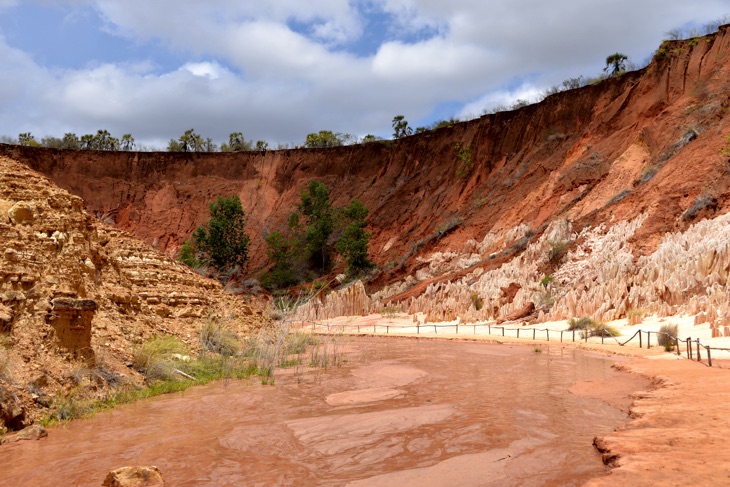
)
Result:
{"points": [[387, 329], [457, 327], [561, 336], [373, 328], [573, 334], [648, 339], [503, 331], [533, 333], [709, 357], [518, 332], [640, 346], [676, 342], [434, 330], [603, 334], [689, 348], [548, 334], [699, 358], [489, 329], [418, 328], [475, 328]]}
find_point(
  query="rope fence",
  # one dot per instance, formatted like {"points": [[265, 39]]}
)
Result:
{"points": [[692, 348]]}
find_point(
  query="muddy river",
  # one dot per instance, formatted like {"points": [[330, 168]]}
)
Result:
{"points": [[400, 412]]}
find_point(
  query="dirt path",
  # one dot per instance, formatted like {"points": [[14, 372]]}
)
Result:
{"points": [[681, 429]]}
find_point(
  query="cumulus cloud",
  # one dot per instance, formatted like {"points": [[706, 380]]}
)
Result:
{"points": [[279, 70]]}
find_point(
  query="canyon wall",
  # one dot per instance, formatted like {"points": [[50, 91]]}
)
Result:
{"points": [[649, 144]]}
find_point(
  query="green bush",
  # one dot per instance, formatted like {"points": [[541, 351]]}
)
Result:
{"points": [[223, 243]]}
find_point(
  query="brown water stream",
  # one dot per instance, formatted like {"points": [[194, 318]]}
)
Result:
{"points": [[400, 412]]}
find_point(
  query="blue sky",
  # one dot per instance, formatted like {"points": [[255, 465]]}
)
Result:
{"points": [[278, 70]]}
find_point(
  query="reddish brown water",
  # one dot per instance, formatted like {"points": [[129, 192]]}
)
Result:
{"points": [[401, 412]]}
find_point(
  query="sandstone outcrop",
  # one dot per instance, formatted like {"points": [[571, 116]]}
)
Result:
{"points": [[77, 294], [134, 477]]}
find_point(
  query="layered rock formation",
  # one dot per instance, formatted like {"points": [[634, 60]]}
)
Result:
{"points": [[76, 294]]}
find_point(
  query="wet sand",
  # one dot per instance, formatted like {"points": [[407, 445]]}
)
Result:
{"points": [[400, 412]]}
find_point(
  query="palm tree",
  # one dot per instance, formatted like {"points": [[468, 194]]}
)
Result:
{"points": [[616, 63]]}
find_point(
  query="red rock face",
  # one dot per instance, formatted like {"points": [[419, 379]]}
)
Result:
{"points": [[649, 141]]}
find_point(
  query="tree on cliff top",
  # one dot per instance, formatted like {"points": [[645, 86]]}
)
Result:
{"points": [[222, 243], [616, 63]]}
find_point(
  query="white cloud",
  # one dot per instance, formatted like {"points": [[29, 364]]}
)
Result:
{"points": [[280, 69]]}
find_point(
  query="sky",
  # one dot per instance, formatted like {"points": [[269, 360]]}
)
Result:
{"points": [[277, 70]]}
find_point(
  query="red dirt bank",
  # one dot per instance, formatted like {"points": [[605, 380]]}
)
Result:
{"points": [[571, 156]]}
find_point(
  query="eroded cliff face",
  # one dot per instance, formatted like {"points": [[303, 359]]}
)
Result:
{"points": [[77, 296], [649, 145]]}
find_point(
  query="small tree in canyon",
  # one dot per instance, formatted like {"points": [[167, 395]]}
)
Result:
{"points": [[222, 243]]}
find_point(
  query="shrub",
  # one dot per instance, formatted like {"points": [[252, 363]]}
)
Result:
{"points": [[215, 338], [590, 327], [545, 281], [154, 359], [463, 153], [187, 255], [477, 301], [667, 335]]}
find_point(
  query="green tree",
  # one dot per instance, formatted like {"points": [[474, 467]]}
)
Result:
{"points": [[127, 142], [103, 140], [400, 127], [325, 138], [223, 242], [236, 143], [616, 64], [353, 244], [262, 145], [316, 209], [189, 142], [70, 141], [86, 142], [27, 139], [280, 249]]}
